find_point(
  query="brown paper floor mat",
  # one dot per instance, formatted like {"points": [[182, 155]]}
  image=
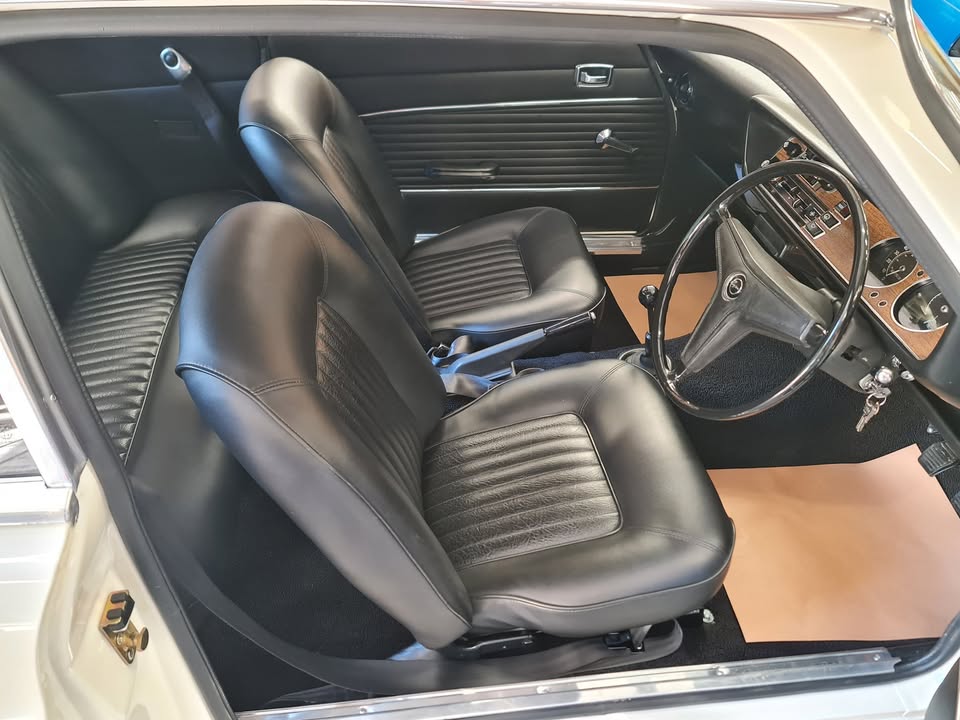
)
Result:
{"points": [[689, 299], [842, 552]]}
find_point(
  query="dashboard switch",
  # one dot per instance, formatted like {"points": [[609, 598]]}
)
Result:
{"points": [[812, 212], [814, 229], [829, 220], [843, 209], [793, 149]]}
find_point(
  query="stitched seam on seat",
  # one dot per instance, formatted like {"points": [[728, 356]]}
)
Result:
{"points": [[497, 274], [497, 427], [596, 387], [512, 533], [613, 494], [309, 220], [150, 382], [199, 367], [606, 475], [607, 603], [281, 384], [493, 503], [599, 462], [138, 410]]}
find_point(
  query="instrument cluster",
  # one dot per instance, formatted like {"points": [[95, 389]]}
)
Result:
{"points": [[898, 290]]}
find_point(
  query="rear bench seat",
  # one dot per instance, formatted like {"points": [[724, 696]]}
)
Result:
{"points": [[112, 266]]}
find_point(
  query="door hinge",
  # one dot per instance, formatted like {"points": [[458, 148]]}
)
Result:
{"points": [[122, 634]]}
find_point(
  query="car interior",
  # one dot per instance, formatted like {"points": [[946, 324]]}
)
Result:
{"points": [[494, 359]]}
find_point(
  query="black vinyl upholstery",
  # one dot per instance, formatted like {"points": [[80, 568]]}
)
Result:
{"points": [[112, 266], [318, 156], [504, 274], [568, 501]]}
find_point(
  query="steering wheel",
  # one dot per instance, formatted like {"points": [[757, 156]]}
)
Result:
{"points": [[755, 294]]}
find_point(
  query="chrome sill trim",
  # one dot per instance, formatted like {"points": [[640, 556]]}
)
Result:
{"points": [[613, 242], [607, 688], [510, 104], [521, 189], [789, 9]]}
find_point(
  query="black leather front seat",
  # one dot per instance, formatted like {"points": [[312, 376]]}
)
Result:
{"points": [[568, 501], [491, 279]]}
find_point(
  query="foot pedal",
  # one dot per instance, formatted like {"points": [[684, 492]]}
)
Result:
{"points": [[937, 458]]}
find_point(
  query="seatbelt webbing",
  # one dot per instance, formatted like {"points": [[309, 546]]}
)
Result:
{"points": [[213, 119], [381, 677]]}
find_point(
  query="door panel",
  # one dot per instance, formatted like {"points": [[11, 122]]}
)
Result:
{"points": [[119, 88], [525, 116], [544, 153]]}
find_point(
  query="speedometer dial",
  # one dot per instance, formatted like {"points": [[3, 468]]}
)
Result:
{"points": [[890, 262], [922, 307]]}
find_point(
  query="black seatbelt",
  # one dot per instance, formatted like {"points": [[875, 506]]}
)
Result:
{"points": [[386, 677], [217, 126]]}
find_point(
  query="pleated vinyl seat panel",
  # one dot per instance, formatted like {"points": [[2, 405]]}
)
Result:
{"points": [[476, 276], [517, 489], [352, 380], [115, 326], [550, 145]]}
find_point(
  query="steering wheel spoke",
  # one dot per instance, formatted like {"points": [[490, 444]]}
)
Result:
{"points": [[754, 294]]}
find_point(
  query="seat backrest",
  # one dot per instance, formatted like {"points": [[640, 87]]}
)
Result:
{"points": [[296, 356], [67, 196], [317, 155]]}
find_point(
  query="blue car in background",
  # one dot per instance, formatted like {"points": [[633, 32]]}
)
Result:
{"points": [[942, 18]]}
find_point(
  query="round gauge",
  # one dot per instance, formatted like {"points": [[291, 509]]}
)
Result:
{"points": [[922, 307], [890, 262]]}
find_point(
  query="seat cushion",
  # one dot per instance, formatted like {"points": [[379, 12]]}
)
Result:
{"points": [[116, 324], [571, 501], [504, 275]]}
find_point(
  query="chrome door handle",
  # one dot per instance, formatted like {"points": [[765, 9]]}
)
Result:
{"points": [[593, 75], [608, 141]]}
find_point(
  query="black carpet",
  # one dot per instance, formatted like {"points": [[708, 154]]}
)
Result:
{"points": [[280, 578], [817, 425]]}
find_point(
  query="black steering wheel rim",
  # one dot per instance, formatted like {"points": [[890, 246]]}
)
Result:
{"points": [[842, 319]]}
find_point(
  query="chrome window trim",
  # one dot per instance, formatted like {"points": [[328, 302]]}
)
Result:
{"points": [[798, 9], [506, 104], [522, 189], [584, 691]]}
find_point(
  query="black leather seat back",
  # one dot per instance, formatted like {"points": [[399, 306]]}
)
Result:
{"points": [[289, 338], [66, 195], [318, 156]]}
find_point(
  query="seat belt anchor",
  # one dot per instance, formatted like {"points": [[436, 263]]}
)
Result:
{"points": [[176, 64]]}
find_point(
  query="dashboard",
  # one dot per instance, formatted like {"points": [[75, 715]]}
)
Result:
{"points": [[899, 294], [733, 120]]}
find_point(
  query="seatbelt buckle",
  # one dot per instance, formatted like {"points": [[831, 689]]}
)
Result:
{"points": [[438, 353]]}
